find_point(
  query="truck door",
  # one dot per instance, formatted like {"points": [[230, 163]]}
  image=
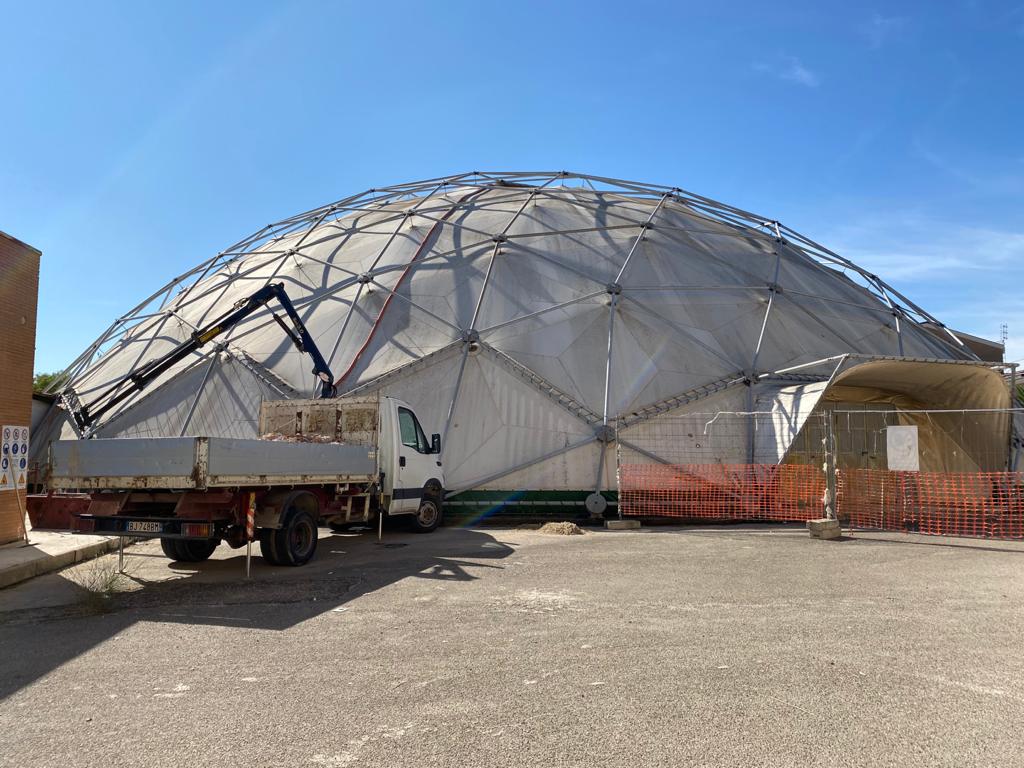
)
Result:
{"points": [[416, 462]]}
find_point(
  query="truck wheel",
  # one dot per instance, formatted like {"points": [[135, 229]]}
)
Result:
{"points": [[295, 542], [196, 550], [267, 547], [188, 550], [170, 548], [428, 516]]}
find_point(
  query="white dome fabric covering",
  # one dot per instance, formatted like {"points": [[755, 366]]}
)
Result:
{"points": [[519, 313]]}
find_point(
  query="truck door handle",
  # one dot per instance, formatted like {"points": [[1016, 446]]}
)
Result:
{"points": [[401, 461]]}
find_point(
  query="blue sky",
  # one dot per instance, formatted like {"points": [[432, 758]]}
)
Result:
{"points": [[140, 138]]}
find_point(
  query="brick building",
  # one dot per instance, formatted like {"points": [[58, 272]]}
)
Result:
{"points": [[19, 287]]}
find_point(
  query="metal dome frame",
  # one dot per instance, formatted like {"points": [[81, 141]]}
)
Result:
{"points": [[165, 303]]}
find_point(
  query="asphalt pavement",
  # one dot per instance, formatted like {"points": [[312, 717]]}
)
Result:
{"points": [[734, 646]]}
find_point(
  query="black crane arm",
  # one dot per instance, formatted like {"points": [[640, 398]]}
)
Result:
{"points": [[303, 341], [86, 416]]}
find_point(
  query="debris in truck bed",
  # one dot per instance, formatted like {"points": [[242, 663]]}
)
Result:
{"points": [[561, 529], [279, 438]]}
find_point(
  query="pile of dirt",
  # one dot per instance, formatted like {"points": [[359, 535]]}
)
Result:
{"points": [[277, 437], [561, 529]]}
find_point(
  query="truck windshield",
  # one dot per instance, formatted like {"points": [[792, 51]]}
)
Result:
{"points": [[412, 433]]}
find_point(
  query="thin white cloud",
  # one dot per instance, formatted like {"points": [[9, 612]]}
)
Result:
{"points": [[967, 276], [879, 29], [790, 69], [909, 246]]}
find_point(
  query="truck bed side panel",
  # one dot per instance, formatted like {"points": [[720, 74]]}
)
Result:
{"points": [[124, 463], [128, 463], [241, 462]]}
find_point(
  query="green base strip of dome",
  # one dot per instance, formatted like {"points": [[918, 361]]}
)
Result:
{"points": [[471, 507]]}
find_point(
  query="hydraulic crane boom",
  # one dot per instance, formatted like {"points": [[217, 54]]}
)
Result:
{"points": [[86, 416]]}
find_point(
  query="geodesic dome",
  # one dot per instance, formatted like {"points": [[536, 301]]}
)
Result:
{"points": [[532, 318]]}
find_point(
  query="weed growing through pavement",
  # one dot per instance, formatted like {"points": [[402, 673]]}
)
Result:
{"points": [[100, 580]]}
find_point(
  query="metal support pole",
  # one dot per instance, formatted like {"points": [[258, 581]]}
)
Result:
{"points": [[618, 469], [612, 304], [830, 467], [455, 399], [250, 532], [643, 231], [1010, 458], [772, 290], [22, 512], [344, 325], [120, 554], [599, 481], [751, 423], [380, 526], [199, 392]]}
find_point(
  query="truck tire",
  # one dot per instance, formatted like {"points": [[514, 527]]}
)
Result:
{"points": [[170, 548], [294, 543], [266, 537], [196, 550], [428, 516], [188, 550]]}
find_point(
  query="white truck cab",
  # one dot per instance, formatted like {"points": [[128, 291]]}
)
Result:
{"points": [[412, 477]]}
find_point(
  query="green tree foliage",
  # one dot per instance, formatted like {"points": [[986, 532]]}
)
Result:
{"points": [[43, 381]]}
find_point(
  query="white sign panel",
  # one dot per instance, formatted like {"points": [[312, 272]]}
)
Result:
{"points": [[13, 457], [901, 449]]}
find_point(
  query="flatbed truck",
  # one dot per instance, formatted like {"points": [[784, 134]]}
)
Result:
{"points": [[327, 461]]}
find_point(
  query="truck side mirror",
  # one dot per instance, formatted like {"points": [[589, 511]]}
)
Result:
{"points": [[435, 443]]}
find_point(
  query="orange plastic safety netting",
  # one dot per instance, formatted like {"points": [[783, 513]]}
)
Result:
{"points": [[987, 504], [783, 492]]}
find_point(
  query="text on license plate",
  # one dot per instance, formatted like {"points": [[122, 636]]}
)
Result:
{"points": [[135, 526]]}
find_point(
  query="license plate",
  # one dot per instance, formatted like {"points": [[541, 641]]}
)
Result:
{"points": [[135, 526]]}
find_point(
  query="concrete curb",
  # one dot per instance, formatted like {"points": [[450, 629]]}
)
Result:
{"points": [[44, 563]]}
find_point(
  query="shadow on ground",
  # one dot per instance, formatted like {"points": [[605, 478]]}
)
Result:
{"points": [[873, 535], [216, 592]]}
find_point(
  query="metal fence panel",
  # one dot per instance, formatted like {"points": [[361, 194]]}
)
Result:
{"points": [[707, 466], [984, 504], [718, 467]]}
